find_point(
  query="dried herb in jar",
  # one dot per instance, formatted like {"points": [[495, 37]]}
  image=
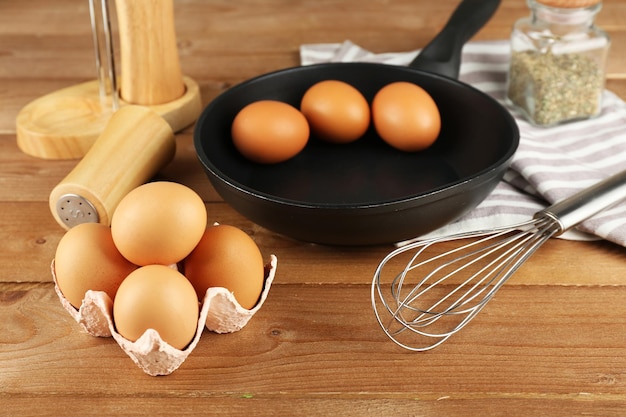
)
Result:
{"points": [[552, 88], [558, 61]]}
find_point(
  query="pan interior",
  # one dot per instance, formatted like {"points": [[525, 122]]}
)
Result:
{"points": [[476, 137]]}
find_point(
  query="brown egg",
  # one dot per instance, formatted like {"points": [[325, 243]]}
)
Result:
{"points": [[269, 131], [337, 112], [406, 116], [158, 223], [86, 259], [160, 298], [227, 257]]}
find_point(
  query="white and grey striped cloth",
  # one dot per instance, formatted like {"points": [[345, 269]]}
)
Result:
{"points": [[550, 164]]}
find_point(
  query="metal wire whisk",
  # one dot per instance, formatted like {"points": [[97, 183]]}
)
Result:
{"points": [[452, 287]]}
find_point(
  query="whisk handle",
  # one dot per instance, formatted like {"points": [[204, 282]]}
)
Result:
{"points": [[586, 203]]}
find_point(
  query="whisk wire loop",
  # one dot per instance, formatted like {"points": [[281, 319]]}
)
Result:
{"points": [[488, 260]]}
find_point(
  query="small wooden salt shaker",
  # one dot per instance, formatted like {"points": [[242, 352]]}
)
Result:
{"points": [[133, 147]]}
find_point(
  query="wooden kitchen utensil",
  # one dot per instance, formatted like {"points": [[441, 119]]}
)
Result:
{"points": [[150, 71], [135, 144], [65, 124]]}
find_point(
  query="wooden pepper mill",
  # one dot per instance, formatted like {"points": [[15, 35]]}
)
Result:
{"points": [[65, 124], [150, 69]]}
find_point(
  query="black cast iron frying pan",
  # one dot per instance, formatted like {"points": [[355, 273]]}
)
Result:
{"points": [[365, 192]]}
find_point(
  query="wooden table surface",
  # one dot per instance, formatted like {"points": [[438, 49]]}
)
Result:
{"points": [[552, 342]]}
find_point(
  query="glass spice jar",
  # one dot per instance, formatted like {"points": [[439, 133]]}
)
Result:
{"points": [[558, 62]]}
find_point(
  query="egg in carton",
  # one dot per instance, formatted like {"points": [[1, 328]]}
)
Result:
{"points": [[220, 313]]}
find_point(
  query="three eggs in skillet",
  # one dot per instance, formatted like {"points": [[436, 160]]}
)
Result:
{"points": [[403, 114]]}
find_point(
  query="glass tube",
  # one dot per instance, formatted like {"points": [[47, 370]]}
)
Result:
{"points": [[103, 46]]}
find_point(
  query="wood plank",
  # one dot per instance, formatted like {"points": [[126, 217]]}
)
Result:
{"points": [[283, 404], [309, 341], [29, 236], [310, 406]]}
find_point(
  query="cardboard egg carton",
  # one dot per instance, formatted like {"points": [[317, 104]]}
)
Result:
{"points": [[220, 313]]}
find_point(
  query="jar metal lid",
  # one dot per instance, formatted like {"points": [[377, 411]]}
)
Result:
{"points": [[569, 4]]}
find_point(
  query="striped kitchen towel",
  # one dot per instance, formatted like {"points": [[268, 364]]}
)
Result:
{"points": [[550, 164]]}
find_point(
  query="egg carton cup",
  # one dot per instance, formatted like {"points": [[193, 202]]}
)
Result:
{"points": [[220, 313]]}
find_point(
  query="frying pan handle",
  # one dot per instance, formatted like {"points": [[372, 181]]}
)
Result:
{"points": [[443, 54]]}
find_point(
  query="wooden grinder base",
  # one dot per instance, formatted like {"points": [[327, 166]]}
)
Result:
{"points": [[64, 124]]}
